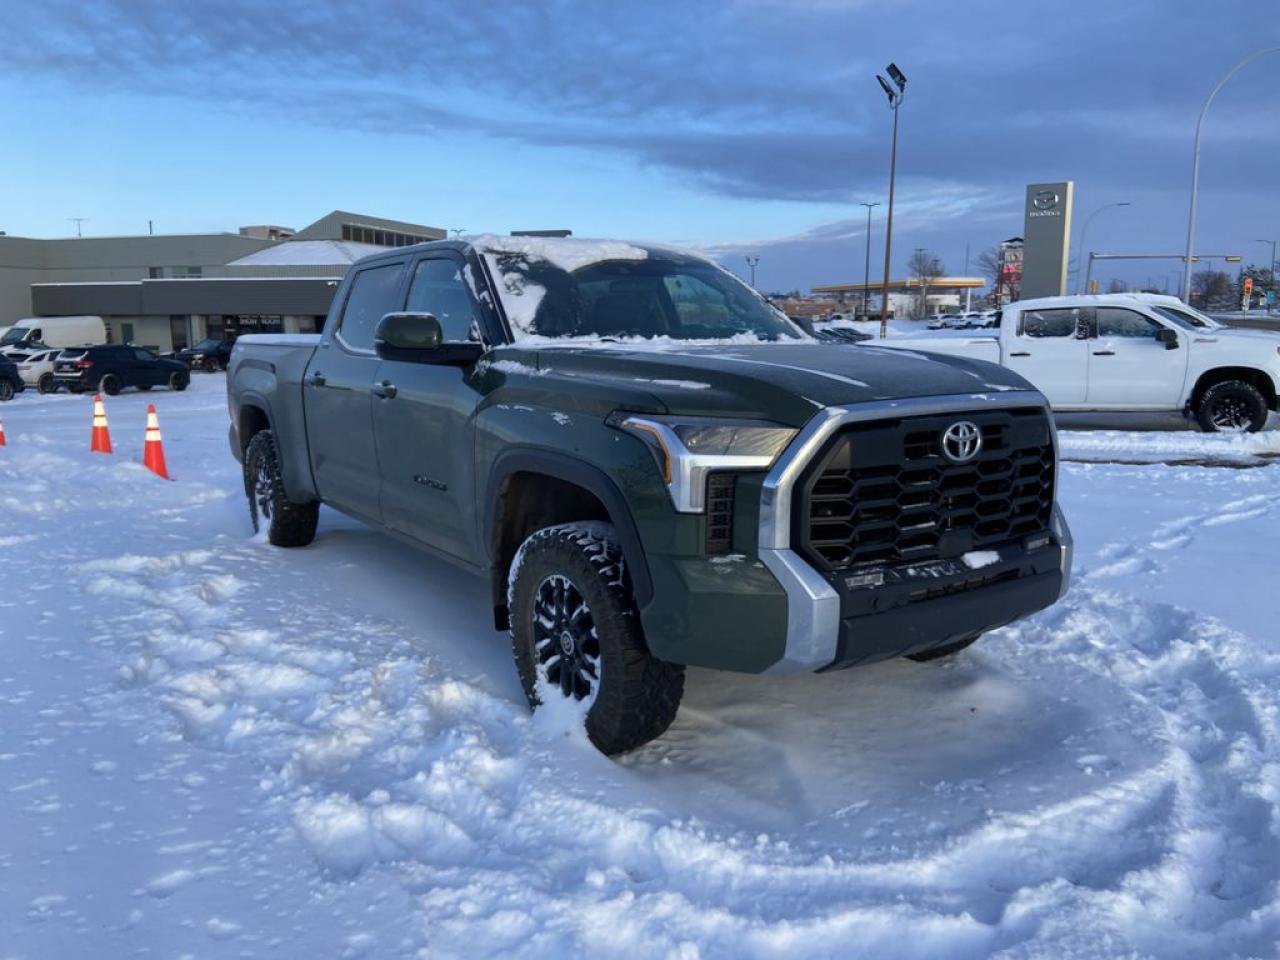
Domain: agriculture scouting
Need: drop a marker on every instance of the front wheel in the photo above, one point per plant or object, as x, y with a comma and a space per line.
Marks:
288, 524
1232, 406
178, 380
46, 383
575, 634
6, 391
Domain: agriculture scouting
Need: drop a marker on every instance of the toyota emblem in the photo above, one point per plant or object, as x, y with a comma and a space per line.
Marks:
961, 441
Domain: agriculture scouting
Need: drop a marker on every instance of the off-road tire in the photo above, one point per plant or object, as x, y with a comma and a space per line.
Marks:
937, 653
6, 391
46, 384
110, 384
178, 380
1228, 398
638, 694
289, 524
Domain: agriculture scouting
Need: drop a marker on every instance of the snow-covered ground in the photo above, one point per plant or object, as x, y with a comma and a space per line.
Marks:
213, 748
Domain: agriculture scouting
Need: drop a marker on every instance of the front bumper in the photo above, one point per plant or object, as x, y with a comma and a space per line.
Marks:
831, 623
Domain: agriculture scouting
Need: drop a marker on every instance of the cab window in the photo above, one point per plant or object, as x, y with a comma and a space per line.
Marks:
1062, 322
439, 289
1118, 322
372, 296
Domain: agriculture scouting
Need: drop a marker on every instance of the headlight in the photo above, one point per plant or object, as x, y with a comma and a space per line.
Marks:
688, 448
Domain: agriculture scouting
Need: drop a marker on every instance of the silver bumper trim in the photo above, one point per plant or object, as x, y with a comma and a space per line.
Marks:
813, 606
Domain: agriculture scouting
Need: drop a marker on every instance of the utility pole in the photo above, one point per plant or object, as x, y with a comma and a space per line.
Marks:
751, 262
895, 101
866, 267
1271, 268
77, 221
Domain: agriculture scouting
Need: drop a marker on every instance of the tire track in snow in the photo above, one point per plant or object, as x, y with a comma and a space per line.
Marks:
491, 821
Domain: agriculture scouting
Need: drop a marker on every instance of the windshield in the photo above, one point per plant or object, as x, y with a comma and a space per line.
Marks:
647, 297
1184, 319
15, 335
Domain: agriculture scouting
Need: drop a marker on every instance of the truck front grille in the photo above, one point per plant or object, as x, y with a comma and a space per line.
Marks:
882, 492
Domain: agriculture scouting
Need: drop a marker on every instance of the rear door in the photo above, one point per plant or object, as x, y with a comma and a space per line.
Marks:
1050, 348
422, 420
337, 397
1128, 368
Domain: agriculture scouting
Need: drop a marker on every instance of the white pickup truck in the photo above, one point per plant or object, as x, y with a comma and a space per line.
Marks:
1123, 352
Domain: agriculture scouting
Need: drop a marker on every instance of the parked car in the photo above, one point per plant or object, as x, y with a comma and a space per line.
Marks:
37, 370
112, 368
653, 468
1121, 352
211, 355
40, 333
10, 379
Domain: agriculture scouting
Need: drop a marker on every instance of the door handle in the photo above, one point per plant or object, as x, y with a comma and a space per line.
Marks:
1020, 354
386, 390
1104, 353
317, 379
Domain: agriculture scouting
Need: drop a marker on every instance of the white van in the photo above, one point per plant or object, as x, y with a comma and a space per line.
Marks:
37, 333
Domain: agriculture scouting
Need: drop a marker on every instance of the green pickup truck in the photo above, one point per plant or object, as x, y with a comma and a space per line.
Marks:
654, 468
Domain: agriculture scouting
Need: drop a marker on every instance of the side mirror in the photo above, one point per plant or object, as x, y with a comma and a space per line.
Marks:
1168, 337
417, 338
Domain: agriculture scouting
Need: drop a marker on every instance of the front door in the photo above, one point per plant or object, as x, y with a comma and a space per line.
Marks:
423, 422
1049, 349
337, 397
1129, 368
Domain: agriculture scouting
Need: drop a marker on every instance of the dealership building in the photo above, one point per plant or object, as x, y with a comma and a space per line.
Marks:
170, 291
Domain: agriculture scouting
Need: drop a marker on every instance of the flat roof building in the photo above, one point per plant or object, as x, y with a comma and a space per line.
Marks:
171, 291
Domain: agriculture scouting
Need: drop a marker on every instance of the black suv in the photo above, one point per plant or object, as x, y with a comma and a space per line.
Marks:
111, 369
10, 379
211, 355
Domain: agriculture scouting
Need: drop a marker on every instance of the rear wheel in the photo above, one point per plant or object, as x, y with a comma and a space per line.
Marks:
110, 384
937, 653
178, 380
576, 635
288, 524
45, 383
1232, 406
6, 391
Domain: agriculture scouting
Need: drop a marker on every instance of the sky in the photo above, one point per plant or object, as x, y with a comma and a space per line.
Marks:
741, 127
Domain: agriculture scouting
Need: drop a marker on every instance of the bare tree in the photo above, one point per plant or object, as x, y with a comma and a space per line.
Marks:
1212, 289
992, 266
925, 267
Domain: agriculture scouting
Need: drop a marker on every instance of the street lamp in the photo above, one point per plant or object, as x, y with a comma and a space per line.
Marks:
1195, 167
866, 267
1080, 254
751, 262
895, 94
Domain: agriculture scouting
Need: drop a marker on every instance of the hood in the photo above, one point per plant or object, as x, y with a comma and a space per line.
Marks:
1267, 338
783, 382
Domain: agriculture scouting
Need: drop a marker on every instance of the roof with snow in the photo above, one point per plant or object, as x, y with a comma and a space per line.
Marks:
308, 253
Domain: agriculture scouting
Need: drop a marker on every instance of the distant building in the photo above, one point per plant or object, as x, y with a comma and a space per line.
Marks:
168, 292
944, 294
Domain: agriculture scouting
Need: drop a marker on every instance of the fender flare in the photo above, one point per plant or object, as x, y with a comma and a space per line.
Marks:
570, 469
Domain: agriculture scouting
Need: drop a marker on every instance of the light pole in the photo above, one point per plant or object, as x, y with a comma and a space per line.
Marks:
77, 221
895, 101
1195, 167
1080, 253
866, 267
751, 262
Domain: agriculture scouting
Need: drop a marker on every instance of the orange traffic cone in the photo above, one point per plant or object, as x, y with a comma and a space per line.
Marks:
100, 442
153, 449
1, 433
